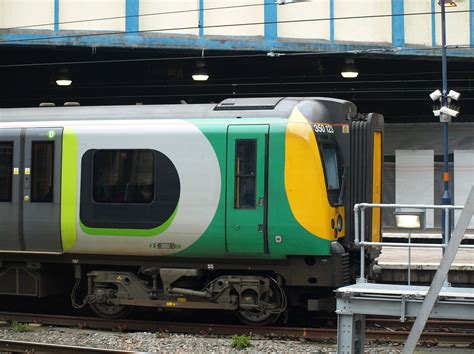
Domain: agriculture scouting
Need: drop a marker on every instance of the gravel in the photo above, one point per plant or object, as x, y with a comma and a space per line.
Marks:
166, 342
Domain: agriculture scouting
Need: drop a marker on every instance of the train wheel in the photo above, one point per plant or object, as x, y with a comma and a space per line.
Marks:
264, 316
111, 312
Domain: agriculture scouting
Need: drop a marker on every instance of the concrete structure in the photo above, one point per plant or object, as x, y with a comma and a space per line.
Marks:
409, 27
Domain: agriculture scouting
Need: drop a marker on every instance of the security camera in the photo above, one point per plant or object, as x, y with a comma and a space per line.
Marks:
436, 112
436, 95
449, 112
454, 95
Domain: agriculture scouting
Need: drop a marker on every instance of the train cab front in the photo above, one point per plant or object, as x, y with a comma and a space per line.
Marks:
315, 168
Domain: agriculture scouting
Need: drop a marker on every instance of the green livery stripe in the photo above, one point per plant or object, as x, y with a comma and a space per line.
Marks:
68, 189
130, 232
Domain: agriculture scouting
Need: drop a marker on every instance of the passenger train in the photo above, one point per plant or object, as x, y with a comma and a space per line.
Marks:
245, 205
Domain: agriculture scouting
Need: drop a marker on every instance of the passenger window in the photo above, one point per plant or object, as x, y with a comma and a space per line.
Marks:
6, 166
245, 174
123, 176
42, 171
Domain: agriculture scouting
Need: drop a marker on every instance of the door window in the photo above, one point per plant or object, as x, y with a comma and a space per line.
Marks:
245, 173
6, 166
42, 171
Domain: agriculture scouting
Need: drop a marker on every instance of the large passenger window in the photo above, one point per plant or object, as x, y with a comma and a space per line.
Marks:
123, 176
6, 166
42, 171
245, 174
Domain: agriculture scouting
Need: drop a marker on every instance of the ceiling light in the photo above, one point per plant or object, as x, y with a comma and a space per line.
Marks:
63, 82
448, 3
63, 78
349, 71
200, 73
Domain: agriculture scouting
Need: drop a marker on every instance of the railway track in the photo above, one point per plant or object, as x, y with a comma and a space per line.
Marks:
378, 329
14, 346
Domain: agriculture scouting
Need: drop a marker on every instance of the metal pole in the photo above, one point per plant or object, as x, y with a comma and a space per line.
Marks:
446, 198
409, 257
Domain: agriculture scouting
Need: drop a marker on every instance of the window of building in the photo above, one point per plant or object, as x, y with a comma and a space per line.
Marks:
42, 171
245, 174
6, 166
123, 176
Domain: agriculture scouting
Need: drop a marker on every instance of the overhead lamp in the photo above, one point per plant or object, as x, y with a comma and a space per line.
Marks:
200, 73
63, 78
349, 71
448, 3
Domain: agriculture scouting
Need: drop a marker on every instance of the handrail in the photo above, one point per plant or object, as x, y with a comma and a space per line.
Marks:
359, 235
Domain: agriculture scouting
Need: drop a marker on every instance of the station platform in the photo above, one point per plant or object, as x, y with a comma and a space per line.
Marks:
393, 265
427, 235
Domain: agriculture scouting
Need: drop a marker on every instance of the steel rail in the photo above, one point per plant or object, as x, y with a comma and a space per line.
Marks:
448, 331
15, 346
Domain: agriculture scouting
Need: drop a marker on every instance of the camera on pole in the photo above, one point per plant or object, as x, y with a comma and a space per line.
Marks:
445, 112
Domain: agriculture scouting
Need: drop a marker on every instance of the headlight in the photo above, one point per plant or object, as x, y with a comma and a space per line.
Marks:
339, 223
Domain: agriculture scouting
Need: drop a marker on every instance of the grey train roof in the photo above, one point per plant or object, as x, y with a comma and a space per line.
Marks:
230, 108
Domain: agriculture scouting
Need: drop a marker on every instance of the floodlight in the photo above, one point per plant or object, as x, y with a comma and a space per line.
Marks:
409, 219
436, 95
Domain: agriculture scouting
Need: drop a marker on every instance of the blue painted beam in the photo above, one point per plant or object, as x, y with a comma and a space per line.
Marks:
331, 20
271, 18
201, 18
56, 15
471, 22
192, 42
132, 12
433, 23
398, 23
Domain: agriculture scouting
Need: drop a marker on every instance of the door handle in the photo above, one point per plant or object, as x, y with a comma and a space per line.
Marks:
260, 228
260, 201
26, 198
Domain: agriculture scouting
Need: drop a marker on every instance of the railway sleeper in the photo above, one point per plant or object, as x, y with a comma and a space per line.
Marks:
257, 299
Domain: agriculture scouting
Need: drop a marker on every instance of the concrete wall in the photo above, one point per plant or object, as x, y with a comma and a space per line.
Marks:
14, 13
187, 18
331, 22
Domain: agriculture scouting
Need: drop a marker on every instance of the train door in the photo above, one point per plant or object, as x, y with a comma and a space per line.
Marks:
41, 197
247, 156
10, 142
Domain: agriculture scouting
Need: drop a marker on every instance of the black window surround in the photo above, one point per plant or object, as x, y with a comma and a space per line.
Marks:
126, 215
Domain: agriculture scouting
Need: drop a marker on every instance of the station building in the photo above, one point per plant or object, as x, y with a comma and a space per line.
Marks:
146, 52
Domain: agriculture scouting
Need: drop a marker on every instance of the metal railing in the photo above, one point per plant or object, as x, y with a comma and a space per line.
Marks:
360, 229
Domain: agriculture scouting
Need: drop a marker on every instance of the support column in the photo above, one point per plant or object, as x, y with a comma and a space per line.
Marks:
56, 15
350, 333
398, 23
270, 18
471, 22
331, 20
201, 18
132, 19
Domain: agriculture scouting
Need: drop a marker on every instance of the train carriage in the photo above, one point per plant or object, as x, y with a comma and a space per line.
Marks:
245, 205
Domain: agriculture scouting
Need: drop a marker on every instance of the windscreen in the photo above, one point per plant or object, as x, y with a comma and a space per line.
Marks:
328, 150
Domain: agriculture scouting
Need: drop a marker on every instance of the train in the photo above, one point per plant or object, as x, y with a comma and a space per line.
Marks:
243, 206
